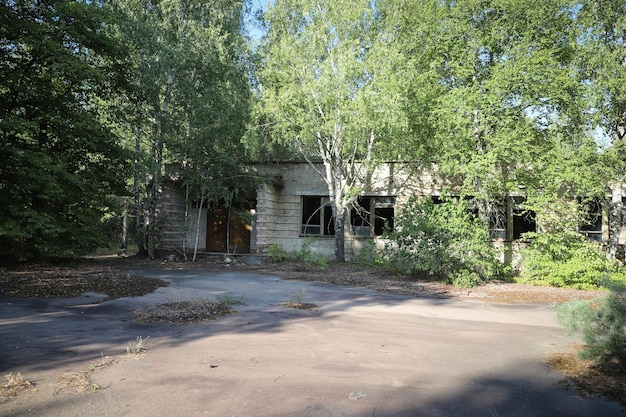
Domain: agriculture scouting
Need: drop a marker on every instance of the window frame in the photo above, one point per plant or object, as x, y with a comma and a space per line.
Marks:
366, 215
311, 207
593, 226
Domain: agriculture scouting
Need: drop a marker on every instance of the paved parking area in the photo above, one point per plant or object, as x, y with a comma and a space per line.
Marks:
360, 353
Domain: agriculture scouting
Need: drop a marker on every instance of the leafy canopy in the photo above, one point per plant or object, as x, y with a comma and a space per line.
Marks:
60, 160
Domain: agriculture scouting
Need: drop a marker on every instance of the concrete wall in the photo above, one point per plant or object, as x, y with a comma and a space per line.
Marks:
279, 205
277, 216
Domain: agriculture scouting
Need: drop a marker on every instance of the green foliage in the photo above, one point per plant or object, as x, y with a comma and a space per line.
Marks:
307, 257
276, 252
441, 241
61, 161
564, 258
505, 107
602, 324
332, 92
191, 100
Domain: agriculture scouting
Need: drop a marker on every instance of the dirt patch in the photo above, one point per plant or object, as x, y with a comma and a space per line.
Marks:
39, 281
183, 312
378, 279
587, 379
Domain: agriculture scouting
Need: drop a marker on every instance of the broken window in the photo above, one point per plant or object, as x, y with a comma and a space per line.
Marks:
372, 216
591, 219
317, 216
499, 220
524, 220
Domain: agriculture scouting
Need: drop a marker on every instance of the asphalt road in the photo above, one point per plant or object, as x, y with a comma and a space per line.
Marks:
360, 353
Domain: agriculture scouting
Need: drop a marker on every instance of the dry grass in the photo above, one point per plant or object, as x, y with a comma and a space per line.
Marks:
76, 382
14, 385
137, 347
587, 379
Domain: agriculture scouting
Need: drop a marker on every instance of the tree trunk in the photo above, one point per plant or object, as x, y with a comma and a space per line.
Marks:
159, 132
195, 246
340, 241
185, 223
615, 220
124, 232
139, 229
154, 197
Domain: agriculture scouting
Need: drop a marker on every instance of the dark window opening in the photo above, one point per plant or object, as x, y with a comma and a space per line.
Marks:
523, 222
317, 217
360, 214
591, 219
383, 220
372, 215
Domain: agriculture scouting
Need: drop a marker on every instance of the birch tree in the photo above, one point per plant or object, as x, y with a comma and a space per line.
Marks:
329, 91
602, 32
191, 95
509, 102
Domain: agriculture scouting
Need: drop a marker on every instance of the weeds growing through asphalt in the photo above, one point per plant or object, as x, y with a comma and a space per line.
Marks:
77, 382
105, 361
228, 300
14, 385
297, 301
138, 346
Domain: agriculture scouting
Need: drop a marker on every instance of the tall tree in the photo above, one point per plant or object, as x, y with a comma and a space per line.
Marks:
602, 32
61, 161
329, 89
508, 94
191, 95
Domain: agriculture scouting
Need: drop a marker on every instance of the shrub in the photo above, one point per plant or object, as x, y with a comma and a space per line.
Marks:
565, 259
441, 241
307, 257
276, 252
602, 324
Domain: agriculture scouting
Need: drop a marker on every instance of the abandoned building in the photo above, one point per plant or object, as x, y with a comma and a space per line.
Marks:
292, 208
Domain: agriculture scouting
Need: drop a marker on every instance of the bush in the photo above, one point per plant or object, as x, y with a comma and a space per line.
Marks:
307, 257
441, 241
276, 252
565, 259
602, 324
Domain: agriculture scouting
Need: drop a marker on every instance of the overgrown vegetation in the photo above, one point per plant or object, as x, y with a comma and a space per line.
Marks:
306, 256
602, 325
566, 259
298, 302
138, 346
443, 242
276, 252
